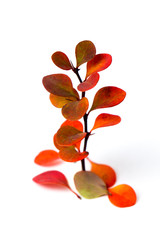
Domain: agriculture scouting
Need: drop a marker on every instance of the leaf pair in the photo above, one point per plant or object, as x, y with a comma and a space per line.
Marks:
68, 139
95, 65
63, 95
84, 52
90, 185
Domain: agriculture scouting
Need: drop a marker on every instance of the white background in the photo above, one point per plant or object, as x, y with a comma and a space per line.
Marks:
30, 32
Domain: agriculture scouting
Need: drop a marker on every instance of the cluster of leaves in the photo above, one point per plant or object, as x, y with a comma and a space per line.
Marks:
99, 180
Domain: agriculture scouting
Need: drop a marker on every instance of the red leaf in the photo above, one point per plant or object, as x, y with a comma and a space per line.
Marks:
60, 85
68, 135
75, 110
54, 178
69, 154
89, 83
61, 60
108, 97
98, 63
47, 157
85, 51
122, 196
105, 172
105, 120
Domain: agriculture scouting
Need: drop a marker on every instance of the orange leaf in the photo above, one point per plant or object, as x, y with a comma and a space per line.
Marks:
59, 101
47, 157
54, 178
105, 172
108, 97
89, 83
122, 196
68, 135
78, 125
61, 60
69, 154
75, 110
60, 85
85, 51
98, 63
105, 120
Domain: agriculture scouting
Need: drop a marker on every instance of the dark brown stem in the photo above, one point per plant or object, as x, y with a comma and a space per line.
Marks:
85, 118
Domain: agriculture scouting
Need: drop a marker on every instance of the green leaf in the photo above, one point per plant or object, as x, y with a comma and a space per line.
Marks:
60, 85
85, 51
75, 110
89, 185
61, 60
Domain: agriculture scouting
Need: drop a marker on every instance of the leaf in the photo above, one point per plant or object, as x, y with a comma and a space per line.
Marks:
60, 85
108, 97
78, 125
89, 185
54, 178
98, 63
56, 143
61, 60
68, 135
59, 101
122, 196
47, 157
75, 110
70, 154
105, 120
89, 83
85, 51
105, 172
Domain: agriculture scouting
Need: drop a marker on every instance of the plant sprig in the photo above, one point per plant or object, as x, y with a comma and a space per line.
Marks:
100, 179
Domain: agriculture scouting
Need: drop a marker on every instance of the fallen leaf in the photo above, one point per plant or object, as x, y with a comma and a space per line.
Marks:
122, 196
54, 178
89, 185
105, 172
47, 157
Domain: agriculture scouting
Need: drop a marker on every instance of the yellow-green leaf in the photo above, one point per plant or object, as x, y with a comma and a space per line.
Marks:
89, 185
